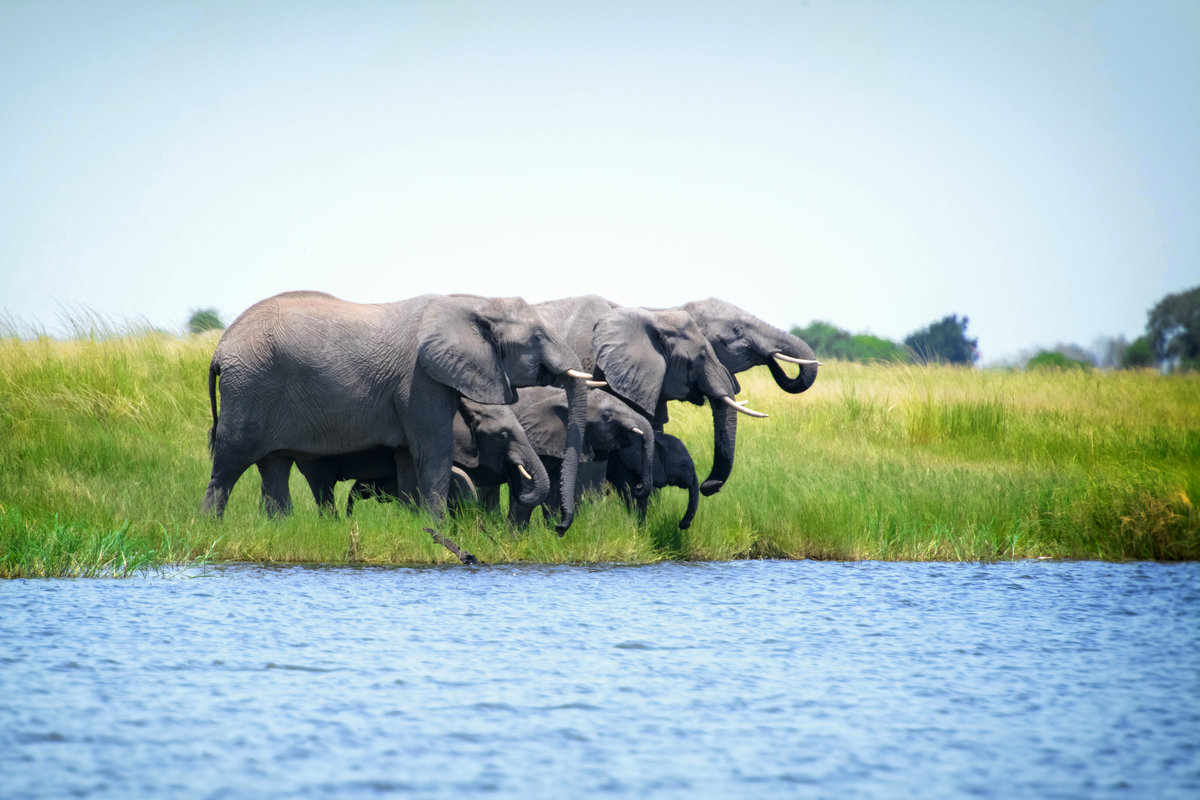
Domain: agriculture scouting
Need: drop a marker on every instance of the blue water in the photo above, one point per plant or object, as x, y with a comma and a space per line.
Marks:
743, 679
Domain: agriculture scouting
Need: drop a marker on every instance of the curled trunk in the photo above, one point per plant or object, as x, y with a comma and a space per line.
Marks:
534, 482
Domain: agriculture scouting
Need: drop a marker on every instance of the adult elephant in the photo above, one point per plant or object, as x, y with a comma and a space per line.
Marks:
490, 450
741, 341
612, 425
305, 374
673, 466
650, 356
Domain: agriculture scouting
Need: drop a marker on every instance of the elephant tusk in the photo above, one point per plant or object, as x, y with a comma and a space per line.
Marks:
638, 431
801, 361
736, 406
575, 373
597, 384
524, 472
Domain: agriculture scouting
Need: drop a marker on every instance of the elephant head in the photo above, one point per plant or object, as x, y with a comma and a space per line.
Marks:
492, 446
741, 341
651, 356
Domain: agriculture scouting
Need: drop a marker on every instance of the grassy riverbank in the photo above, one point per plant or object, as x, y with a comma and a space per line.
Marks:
103, 463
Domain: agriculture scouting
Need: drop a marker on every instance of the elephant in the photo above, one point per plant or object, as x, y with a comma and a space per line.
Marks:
650, 356
306, 374
673, 466
741, 341
611, 425
490, 449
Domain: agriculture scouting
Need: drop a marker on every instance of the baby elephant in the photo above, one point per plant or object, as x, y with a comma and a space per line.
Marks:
673, 466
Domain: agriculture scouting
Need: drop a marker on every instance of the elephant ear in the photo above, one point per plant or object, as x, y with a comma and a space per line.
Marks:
545, 424
457, 348
628, 350
466, 453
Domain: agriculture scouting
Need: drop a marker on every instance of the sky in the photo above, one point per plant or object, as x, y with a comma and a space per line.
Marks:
1032, 166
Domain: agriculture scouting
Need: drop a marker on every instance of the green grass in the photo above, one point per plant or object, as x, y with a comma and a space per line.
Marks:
103, 462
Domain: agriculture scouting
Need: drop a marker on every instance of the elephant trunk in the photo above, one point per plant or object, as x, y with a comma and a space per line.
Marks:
792, 347
693, 490
577, 412
724, 437
647, 466
530, 474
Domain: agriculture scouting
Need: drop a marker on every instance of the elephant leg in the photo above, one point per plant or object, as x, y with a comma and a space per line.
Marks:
321, 481
226, 471
276, 497
433, 477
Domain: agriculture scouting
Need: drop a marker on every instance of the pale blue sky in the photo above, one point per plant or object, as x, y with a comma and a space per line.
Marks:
1034, 166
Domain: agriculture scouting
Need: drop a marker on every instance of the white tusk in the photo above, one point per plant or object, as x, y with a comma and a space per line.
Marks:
739, 407
801, 361
524, 472
596, 384
575, 373
638, 431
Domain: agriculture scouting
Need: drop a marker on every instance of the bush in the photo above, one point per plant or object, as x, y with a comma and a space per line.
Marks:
1051, 360
205, 319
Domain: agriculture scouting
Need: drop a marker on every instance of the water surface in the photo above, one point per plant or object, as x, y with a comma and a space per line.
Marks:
763, 679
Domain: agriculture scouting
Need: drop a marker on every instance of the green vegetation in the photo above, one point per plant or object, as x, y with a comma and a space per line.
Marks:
944, 341
104, 462
204, 319
831, 341
1049, 359
1173, 329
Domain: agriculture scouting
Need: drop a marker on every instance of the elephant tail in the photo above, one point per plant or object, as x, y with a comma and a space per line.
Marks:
214, 369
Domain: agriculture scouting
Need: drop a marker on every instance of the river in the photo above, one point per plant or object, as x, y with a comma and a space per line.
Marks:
740, 679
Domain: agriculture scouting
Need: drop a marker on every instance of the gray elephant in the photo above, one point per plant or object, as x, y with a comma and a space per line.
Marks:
741, 341
305, 374
650, 356
673, 466
611, 425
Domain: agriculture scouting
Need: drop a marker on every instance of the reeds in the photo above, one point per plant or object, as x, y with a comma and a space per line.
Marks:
103, 462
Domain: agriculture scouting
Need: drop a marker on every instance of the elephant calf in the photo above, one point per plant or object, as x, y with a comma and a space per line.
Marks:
673, 466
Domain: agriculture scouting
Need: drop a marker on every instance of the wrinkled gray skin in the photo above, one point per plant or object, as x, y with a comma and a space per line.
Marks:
490, 448
673, 466
741, 341
305, 374
649, 356
612, 425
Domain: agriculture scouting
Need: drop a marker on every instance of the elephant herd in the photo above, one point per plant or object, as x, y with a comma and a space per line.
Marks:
441, 397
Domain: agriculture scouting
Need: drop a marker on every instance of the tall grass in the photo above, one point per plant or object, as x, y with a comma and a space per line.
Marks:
103, 462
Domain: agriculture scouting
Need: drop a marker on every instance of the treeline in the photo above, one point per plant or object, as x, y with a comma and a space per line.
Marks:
943, 341
1171, 342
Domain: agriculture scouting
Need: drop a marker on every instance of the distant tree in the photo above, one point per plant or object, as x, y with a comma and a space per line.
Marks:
829, 341
1138, 354
1173, 330
945, 340
1050, 359
205, 319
